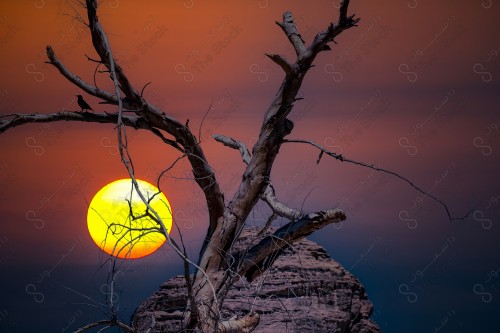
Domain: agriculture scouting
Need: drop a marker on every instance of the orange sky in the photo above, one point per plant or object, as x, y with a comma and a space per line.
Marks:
362, 98
213, 53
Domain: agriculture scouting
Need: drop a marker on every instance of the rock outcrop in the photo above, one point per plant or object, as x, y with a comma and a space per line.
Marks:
304, 291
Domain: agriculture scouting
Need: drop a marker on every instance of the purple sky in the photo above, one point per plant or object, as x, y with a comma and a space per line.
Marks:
413, 89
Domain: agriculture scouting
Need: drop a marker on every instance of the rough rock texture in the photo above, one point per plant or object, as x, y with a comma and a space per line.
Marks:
304, 291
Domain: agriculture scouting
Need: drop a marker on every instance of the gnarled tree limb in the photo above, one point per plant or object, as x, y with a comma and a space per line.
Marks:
282, 62
76, 80
261, 256
232, 143
99, 40
14, 120
291, 31
134, 121
278, 207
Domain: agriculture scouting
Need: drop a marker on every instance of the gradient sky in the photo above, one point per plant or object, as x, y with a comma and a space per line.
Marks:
413, 89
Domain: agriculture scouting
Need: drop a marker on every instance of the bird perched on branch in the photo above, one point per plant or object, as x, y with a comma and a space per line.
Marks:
83, 104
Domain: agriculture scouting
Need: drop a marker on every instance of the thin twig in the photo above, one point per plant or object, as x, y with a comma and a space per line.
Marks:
341, 158
147, 84
202, 120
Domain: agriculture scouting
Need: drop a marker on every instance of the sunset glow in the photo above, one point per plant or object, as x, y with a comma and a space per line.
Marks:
118, 220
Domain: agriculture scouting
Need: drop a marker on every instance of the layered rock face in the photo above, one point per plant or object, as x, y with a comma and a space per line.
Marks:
304, 291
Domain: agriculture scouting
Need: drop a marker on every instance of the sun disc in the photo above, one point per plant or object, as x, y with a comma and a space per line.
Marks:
118, 220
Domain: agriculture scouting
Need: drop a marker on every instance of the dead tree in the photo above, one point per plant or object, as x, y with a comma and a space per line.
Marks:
256, 185
218, 268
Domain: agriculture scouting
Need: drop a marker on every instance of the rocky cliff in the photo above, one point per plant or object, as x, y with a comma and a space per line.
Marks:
304, 291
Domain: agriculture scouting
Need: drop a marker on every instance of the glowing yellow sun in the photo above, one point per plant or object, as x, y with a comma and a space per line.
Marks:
118, 222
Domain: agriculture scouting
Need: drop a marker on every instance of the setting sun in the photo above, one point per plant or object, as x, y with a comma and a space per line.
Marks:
118, 220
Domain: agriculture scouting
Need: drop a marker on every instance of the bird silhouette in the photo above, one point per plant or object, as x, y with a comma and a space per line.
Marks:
83, 104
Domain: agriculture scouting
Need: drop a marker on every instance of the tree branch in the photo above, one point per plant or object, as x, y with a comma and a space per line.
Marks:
262, 255
279, 208
76, 80
99, 40
282, 62
15, 120
134, 121
232, 143
341, 158
268, 194
328, 35
291, 31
